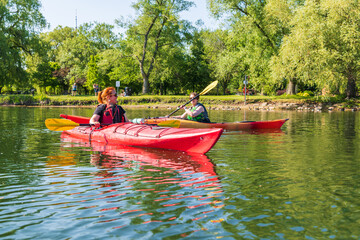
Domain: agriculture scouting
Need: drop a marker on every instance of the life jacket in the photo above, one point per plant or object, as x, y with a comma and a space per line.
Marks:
112, 114
202, 117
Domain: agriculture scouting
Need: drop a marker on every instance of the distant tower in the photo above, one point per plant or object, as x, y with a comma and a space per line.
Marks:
75, 19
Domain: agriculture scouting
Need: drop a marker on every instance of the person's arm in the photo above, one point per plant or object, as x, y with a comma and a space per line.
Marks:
183, 115
197, 111
94, 119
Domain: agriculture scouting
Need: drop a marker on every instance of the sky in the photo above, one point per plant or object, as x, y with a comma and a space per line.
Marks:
70, 12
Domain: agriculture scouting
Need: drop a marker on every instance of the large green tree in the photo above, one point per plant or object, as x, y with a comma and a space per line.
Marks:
215, 50
157, 25
170, 72
72, 50
44, 76
251, 41
323, 48
20, 24
101, 35
197, 64
180, 70
115, 65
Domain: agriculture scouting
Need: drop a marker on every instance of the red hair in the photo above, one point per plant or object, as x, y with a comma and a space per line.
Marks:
104, 93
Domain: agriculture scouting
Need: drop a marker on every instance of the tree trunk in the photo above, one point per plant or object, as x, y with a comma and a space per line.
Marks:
145, 88
351, 87
291, 87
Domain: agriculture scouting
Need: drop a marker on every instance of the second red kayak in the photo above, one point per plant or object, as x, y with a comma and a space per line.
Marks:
228, 126
181, 123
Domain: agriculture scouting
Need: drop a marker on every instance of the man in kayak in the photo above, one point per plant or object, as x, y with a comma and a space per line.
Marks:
108, 112
197, 112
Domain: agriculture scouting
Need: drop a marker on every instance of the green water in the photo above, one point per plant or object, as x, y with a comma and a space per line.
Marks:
302, 182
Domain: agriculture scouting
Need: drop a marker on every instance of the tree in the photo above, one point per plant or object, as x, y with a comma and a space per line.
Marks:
56, 40
171, 72
114, 65
158, 25
20, 23
323, 47
75, 54
225, 61
214, 45
251, 41
197, 69
44, 75
73, 49
100, 35
93, 72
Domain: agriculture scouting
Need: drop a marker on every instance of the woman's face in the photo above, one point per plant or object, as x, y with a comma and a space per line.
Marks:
112, 98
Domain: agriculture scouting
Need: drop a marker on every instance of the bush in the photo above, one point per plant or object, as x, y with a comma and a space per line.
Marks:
306, 93
17, 100
41, 97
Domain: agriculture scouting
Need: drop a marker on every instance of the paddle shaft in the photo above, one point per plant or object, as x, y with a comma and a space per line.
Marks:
178, 108
207, 89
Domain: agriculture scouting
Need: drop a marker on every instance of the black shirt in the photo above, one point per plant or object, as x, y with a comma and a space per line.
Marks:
117, 118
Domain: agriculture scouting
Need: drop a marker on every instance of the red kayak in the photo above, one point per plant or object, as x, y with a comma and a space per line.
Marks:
187, 140
181, 123
228, 126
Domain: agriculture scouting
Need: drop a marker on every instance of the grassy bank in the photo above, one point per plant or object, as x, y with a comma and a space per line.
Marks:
228, 101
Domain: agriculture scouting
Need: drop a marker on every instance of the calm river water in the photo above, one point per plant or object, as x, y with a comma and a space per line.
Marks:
302, 182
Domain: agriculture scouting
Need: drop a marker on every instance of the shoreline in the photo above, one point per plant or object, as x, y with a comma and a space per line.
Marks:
231, 103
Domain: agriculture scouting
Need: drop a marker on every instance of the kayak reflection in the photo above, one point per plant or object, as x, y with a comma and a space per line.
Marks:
111, 157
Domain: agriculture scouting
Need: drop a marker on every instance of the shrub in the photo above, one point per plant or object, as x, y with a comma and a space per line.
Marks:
305, 94
17, 100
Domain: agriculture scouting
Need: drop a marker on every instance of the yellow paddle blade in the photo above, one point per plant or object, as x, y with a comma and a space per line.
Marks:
169, 123
57, 124
208, 88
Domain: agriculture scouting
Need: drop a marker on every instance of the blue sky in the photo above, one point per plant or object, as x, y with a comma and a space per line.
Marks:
106, 11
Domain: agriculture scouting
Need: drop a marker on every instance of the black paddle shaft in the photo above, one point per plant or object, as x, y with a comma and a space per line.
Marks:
178, 108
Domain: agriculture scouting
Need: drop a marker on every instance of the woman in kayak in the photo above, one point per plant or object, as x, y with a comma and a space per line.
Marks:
197, 112
108, 112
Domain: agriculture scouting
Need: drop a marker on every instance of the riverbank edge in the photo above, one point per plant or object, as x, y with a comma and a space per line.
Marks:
212, 102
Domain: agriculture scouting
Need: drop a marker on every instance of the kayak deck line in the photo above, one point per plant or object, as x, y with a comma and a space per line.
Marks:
136, 130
